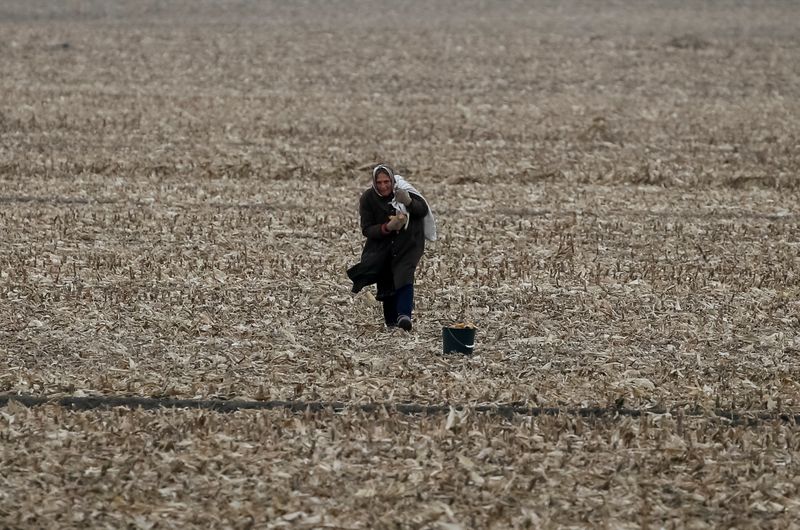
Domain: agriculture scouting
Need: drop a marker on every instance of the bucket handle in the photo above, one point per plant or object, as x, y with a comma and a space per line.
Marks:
471, 346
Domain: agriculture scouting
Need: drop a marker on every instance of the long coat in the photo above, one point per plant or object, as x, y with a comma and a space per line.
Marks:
388, 260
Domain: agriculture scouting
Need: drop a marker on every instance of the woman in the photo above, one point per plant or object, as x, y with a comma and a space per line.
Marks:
396, 220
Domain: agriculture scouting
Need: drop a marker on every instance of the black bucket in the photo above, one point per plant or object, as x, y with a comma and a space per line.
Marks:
458, 340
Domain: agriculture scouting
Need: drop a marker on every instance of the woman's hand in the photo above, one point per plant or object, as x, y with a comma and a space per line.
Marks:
396, 222
402, 196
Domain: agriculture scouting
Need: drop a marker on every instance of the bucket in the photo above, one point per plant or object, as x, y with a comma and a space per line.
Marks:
458, 340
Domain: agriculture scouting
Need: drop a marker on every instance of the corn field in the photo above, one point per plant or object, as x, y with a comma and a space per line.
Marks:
616, 188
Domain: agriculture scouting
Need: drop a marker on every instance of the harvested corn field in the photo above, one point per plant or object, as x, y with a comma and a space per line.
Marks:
349, 470
616, 191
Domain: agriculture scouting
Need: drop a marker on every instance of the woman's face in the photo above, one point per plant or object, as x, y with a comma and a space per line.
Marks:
383, 184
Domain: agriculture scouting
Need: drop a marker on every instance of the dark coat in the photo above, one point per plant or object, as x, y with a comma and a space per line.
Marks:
388, 260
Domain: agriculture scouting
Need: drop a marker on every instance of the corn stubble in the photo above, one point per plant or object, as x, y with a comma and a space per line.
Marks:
617, 208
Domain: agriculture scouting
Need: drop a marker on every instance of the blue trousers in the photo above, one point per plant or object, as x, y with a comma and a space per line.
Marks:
400, 303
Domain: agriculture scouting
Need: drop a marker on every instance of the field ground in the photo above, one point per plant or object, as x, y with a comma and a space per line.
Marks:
616, 189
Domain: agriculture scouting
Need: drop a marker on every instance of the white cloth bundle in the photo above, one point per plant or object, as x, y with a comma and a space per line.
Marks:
429, 222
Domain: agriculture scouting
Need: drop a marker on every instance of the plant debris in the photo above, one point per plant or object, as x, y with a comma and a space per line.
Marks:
617, 206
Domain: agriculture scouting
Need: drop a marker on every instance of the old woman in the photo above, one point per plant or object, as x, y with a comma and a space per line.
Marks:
396, 220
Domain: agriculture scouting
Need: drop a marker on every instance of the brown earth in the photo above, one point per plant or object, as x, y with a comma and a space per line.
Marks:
616, 189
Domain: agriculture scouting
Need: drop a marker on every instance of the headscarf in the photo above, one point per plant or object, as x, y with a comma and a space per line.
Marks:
382, 168
398, 182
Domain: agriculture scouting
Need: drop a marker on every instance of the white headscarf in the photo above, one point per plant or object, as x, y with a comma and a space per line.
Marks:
398, 182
